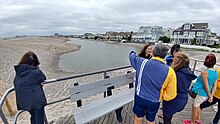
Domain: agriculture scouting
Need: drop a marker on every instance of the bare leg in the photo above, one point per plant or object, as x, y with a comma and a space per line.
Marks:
198, 114
137, 120
194, 115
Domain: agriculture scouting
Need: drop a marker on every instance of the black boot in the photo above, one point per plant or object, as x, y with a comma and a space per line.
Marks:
118, 114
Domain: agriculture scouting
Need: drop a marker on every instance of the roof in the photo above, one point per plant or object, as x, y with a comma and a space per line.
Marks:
200, 25
178, 29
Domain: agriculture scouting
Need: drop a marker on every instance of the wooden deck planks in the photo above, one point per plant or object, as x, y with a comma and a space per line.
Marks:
128, 116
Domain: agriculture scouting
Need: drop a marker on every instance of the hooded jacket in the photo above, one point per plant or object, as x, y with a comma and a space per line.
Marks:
184, 79
27, 83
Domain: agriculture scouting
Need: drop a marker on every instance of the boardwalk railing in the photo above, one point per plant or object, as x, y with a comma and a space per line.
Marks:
10, 90
193, 64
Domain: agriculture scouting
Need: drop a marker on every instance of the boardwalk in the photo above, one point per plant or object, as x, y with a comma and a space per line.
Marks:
128, 116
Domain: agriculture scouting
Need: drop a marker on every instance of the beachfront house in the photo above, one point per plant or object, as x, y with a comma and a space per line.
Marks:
167, 32
117, 36
147, 34
194, 33
212, 39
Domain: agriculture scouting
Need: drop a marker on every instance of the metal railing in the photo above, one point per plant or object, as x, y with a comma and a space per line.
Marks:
12, 89
5, 121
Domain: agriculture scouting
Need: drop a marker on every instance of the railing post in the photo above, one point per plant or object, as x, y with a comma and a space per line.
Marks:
105, 75
79, 102
131, 85
119, 110
108, 91
3, 117
5, 121
45, 118
194, 67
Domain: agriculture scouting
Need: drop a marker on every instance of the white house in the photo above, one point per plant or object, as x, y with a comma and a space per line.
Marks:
147, 34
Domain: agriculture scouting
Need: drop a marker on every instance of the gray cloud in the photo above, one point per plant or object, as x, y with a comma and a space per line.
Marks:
39, 17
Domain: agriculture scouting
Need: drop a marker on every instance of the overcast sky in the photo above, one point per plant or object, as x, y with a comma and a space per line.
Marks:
45, 17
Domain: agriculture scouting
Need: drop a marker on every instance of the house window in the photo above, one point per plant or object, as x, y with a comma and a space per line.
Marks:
199, 34
185, 33
186, 27
192, 34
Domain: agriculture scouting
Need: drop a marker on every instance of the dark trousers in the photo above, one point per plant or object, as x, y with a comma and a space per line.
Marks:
167, 119
37, 116
207, 104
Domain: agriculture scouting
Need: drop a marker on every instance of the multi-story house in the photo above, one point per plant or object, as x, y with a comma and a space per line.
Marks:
212, 39
168, 32
88, 35
147, 34
117, 36
194, 33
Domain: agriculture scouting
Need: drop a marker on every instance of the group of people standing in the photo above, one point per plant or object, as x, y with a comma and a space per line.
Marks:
167, 79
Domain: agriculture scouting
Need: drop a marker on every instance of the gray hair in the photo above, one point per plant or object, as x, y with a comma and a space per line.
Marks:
160, 50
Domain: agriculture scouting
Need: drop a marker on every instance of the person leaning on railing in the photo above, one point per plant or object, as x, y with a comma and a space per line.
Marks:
205, 87
216, 99
28, 83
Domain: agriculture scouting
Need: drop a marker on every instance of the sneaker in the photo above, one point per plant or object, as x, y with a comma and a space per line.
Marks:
215, 107
187, 122
198, 122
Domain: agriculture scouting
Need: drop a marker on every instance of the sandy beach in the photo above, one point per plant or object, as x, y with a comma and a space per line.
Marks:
49, 50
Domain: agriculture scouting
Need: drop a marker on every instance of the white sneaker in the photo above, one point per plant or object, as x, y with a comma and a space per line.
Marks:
215, 107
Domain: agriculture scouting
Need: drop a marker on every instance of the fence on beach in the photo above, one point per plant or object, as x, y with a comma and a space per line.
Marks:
194, 64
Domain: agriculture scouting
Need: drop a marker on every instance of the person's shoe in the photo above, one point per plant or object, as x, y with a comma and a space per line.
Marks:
187, 122
215, 107
118, 114
198, 122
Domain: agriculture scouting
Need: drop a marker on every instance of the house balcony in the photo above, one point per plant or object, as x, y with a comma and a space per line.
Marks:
182, 37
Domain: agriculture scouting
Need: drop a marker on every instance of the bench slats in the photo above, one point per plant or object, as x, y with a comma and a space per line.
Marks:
90, 89
94, 110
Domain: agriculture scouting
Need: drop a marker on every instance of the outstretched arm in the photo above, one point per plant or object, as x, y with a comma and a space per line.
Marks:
133, 59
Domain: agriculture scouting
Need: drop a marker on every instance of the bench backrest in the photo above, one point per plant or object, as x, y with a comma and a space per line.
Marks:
90, 89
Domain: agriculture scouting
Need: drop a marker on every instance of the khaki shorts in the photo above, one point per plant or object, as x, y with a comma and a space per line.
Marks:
199, 100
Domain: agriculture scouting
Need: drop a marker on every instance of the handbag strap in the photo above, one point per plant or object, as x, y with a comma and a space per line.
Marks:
140, 75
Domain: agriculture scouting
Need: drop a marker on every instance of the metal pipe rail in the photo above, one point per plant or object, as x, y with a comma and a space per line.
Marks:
5, 121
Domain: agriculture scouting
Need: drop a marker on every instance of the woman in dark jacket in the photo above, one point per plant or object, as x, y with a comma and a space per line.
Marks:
28, 83
184, 76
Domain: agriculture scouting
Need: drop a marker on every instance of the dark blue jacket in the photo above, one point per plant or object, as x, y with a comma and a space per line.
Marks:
27, 83
169, 59
184, 79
